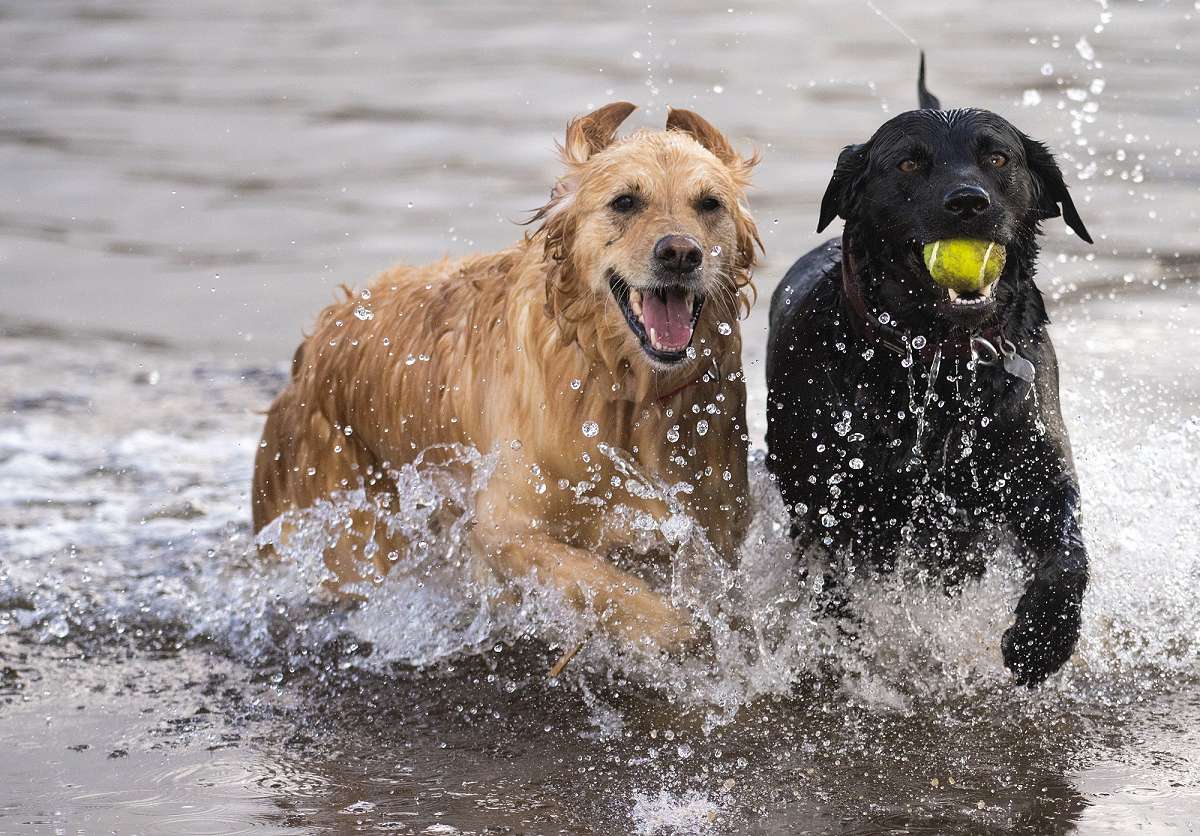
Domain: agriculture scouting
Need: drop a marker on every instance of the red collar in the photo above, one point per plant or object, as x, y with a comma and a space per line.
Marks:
872, 328
676, 391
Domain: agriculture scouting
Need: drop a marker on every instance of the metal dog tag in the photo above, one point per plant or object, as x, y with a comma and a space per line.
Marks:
1016, 365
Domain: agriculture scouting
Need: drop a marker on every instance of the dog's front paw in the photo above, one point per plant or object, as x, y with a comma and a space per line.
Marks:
1043, 636
648, 620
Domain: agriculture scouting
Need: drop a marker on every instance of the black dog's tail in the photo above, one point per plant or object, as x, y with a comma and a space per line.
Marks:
925, 99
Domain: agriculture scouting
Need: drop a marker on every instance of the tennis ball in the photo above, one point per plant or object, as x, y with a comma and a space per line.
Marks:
964, 265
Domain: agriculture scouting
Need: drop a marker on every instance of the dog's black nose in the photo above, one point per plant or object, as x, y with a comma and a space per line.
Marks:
967, 201
678, 253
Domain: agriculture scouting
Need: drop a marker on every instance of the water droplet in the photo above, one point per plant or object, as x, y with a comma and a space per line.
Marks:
715, 251
856, 464
724, 329
828, 521
59, 627
591, 429
885, 317
691, 353
701, 427
576, 384
673, 434
684, 750
364, 313
919, 342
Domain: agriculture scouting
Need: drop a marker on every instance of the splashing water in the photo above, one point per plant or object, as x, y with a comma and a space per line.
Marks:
138, 531
665, 813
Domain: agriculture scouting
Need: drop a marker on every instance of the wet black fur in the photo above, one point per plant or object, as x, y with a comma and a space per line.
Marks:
947, 506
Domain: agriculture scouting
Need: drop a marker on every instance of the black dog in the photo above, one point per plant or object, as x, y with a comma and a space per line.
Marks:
901, 414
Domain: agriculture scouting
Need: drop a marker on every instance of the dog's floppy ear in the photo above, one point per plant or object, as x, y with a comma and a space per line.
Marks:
851, 163
585, 136
588, 134
701, 130
1049, 190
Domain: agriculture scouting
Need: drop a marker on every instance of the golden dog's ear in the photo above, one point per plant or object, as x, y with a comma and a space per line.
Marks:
585, 136
701, 130
588, 134
749, 245
567, 302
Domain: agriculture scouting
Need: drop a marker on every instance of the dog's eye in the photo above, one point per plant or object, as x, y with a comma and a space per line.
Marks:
908, 166
624, 204
997, 160
709, 204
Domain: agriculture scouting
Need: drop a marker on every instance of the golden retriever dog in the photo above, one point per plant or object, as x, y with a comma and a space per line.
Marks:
615, 323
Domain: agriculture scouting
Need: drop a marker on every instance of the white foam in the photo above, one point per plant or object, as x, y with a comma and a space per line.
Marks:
669, 814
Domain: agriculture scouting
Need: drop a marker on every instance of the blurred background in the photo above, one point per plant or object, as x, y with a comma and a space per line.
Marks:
208, 173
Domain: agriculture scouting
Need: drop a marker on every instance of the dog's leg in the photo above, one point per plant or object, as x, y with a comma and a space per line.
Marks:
515, 548
1048, 616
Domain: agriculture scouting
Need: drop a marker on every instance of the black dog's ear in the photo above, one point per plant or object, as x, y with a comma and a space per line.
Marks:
1049, 189
925, 99
850, 164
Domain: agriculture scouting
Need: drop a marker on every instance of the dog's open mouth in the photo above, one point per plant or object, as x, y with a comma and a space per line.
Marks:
663, 319
967, 302
975, 299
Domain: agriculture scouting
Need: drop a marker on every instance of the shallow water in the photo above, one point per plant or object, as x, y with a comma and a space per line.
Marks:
191, 183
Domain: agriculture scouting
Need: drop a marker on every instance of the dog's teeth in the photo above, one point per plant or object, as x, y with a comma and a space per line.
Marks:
953, 294
635, 302
653, 338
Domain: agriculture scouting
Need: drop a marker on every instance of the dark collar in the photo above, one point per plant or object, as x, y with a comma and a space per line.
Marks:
869, 326
662, 399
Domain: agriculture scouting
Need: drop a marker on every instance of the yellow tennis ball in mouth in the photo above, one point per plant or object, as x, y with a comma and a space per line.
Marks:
964, 265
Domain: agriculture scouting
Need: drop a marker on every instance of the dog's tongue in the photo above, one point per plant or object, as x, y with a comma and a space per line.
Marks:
670, 318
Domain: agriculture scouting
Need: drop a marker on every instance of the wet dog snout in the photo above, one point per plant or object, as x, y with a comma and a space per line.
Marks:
678, 253
967, 201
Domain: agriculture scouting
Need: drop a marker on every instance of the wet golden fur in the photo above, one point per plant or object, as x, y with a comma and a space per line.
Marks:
500, 338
